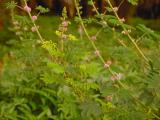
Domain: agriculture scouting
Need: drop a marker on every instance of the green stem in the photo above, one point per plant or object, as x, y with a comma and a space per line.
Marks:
94, 7
89, 38
34, 24
129, 36
101, 58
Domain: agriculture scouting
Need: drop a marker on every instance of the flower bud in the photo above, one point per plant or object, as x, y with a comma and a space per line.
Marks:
97, 53
122, 20
33, 29
115, 9
27, 9
65, 23
94, 38
34, 18
107, 64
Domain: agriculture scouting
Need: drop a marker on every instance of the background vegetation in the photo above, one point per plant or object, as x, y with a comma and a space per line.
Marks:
90, 68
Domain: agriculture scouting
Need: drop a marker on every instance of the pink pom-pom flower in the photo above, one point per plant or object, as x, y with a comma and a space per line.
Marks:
97, 53
27, 9
34, 18
107, 64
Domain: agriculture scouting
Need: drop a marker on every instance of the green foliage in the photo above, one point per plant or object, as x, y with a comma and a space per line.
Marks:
11, 5
133, 2
65, 79
42, 9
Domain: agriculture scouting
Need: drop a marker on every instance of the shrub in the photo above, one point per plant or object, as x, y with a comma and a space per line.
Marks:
72, 79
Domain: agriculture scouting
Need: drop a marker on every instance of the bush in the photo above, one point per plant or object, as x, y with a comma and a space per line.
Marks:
69, 79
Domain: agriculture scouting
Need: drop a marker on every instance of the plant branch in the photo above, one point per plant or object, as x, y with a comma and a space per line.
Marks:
34, 24
129, 36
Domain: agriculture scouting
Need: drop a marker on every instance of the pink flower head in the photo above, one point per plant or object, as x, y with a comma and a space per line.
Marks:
115, 9
107, 64
33, 29
27, 9
93, 38
34, 18
97, 53
65, 23
122, 20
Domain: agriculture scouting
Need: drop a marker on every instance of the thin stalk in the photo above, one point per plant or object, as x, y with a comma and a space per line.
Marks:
120, 4
129, 36
100, 30
34, 24
94, 7
89, 38
101, 58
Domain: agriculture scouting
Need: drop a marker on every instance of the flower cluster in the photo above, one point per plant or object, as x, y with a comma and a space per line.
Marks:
63, 26
34, 17
61, 32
